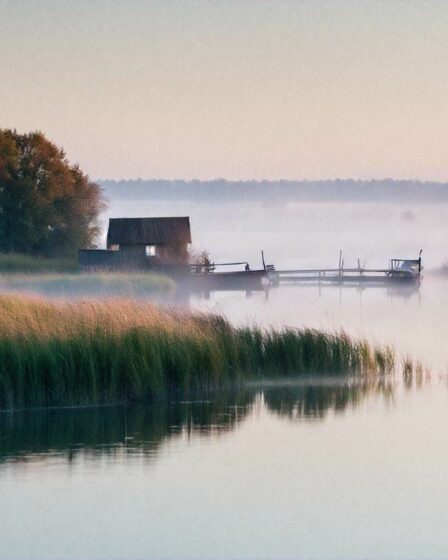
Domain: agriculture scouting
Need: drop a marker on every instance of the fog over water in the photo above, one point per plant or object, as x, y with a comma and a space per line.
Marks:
300, 227
308, 234
301, 468
260, 106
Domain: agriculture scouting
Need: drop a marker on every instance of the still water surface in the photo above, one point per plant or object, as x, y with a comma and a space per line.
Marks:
317, 469
414, 320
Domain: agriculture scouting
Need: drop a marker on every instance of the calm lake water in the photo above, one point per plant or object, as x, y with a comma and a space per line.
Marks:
311, 234
312, 470
414, 320
319, 468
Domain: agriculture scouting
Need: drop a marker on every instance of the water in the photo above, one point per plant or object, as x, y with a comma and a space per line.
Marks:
314, 469
311, 234
413, 320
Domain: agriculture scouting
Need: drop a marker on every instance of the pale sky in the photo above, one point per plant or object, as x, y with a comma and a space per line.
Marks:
235, 89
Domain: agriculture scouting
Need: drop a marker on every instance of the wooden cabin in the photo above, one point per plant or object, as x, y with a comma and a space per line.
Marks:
140, 244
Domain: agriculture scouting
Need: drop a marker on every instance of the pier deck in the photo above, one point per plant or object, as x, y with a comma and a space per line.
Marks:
342, 276
400, 271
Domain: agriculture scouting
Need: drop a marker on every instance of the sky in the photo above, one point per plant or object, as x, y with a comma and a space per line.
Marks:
234, 89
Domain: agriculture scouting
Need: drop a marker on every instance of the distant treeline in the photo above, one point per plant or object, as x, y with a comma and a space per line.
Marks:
339, 190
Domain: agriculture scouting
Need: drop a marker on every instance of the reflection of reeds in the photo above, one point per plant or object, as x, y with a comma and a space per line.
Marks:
112, 431
118, 350
120, 432
315, 400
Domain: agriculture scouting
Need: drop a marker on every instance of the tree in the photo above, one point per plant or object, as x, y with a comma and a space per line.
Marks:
48, 206
201, 261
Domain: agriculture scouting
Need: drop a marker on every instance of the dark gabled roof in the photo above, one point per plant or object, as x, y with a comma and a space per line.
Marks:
148, 231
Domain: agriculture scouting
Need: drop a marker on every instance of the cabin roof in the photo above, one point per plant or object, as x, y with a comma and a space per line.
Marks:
148, 231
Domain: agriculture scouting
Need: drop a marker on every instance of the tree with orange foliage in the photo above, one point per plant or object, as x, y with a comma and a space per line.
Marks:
48, 206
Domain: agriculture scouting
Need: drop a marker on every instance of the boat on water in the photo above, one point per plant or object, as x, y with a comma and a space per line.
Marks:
409, 269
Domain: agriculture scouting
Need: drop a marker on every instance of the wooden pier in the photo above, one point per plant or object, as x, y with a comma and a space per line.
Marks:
345, 276
208, 278
399, 272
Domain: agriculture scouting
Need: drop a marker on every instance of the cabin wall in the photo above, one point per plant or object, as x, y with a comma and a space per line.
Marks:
95, 259
173, 253
133, 257
127, 258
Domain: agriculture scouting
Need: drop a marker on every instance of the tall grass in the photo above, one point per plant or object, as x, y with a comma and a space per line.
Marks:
92, 285
11, 263
119, 350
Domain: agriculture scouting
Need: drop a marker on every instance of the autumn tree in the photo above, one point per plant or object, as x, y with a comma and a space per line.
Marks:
48, 206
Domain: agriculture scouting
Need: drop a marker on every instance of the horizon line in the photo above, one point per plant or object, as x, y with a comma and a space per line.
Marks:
279, 180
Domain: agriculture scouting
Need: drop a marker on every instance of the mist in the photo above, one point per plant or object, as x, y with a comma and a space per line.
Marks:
305, 225
299, 224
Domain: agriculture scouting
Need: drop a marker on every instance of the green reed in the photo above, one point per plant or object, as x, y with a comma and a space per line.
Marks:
12, 263
126, 284
98, 352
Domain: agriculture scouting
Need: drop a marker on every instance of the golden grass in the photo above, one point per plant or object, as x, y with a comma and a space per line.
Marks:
90, 352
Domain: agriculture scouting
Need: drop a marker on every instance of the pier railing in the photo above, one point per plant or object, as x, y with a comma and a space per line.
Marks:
342, 275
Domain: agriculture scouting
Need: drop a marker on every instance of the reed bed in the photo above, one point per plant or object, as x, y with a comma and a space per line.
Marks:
97, 352
106, 284
11, 263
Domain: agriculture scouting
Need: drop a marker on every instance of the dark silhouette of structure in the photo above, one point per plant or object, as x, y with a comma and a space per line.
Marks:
141, 244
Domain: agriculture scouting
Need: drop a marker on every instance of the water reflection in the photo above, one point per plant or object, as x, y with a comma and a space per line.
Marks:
315, 401
115, 430
120, 432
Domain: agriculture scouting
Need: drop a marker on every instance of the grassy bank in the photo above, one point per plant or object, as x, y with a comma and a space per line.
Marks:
119, 350
88, 285
11, 263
